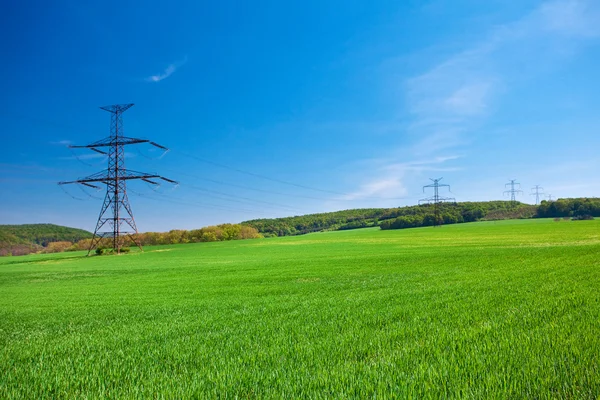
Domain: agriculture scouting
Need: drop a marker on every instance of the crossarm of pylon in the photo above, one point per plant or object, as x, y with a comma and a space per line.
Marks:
124, 142
101, 142
106, 179
89, 185
169, 180
159, 146
129, 173
120, 108
98, 151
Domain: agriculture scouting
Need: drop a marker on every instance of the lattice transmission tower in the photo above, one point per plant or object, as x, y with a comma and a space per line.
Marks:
514, 190
539, 191
116, 211
436, 199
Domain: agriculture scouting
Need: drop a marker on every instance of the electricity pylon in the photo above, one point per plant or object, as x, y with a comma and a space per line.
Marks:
116, 211
512, 191
537, 193
436, 199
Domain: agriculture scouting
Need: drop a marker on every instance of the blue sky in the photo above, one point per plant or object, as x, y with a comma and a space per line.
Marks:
277, 108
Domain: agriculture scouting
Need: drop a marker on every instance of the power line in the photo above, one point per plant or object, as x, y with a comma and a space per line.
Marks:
221, 165
537, 193
81, 187
70, 195
436, 199
246, 187
280, 181
219, 182
116, 211
241, 171
230, 197
173, 200
240, 199
514, 190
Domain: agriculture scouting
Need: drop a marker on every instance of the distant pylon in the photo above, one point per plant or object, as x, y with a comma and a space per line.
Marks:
512, 191
436, 199
116, 211
549, 197
537, 193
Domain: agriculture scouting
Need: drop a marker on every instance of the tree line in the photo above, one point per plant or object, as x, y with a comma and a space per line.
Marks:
42, 234
392, 218
33, 238
456, 213
16, 246
578, 208
298, 225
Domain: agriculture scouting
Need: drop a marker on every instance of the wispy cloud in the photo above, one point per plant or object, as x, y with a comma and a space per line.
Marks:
469, 99
92, 156
573, 18
170, 70
33, 168
455, 96
390, 179
451, 102
424, 165
62, 142
386, 187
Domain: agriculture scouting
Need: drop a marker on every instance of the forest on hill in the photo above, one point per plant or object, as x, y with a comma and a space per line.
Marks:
456, 213
49, 238
578, 208
369, 217
423, 215
30, 238
42, 234
216, 233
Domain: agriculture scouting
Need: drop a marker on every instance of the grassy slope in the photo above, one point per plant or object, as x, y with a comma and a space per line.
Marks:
487, 310
40, 233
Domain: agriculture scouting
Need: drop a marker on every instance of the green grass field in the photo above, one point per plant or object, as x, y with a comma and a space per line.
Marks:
484, 310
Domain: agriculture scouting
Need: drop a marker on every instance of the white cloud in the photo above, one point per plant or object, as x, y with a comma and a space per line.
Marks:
456, 96
390, 180
62, 142
379, 187
167, 72
469, 99
92, 156
439, 137
572, 18
450, 102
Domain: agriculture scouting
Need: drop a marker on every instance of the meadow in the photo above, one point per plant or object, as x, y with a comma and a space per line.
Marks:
506, 309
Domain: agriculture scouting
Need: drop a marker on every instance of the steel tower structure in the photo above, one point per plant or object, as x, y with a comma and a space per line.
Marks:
539, 191
514, 190
116, 211
436, 199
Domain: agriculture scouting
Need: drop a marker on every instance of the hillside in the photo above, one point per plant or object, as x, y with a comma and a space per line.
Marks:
362, 218
31, 238
23, 239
